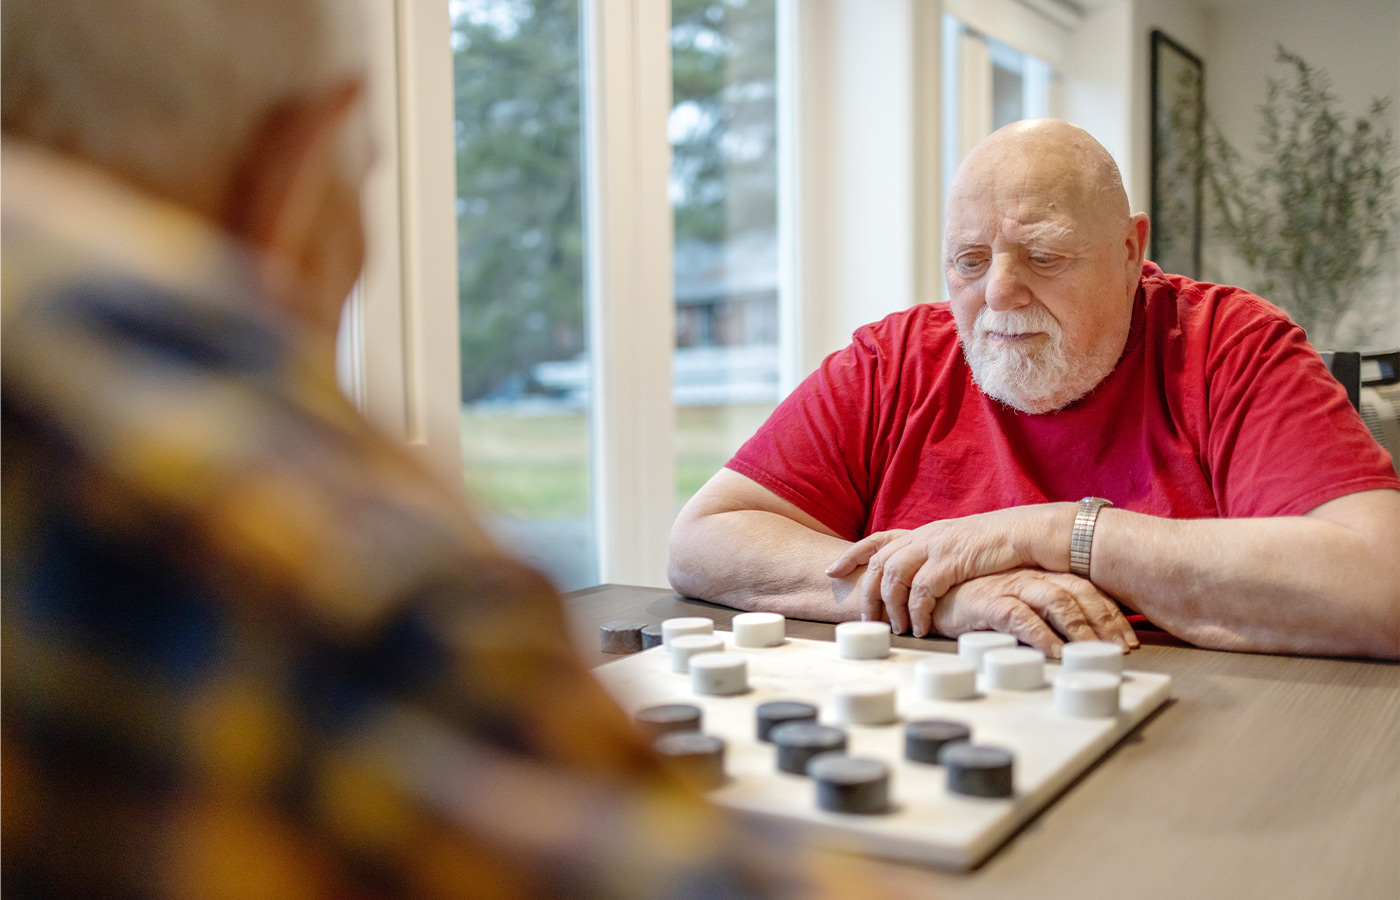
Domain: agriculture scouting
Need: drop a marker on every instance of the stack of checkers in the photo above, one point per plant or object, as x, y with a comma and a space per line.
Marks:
812, 743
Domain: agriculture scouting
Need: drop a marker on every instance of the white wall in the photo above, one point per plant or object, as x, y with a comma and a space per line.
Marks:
1098, 82
1106, 74
1186, 23
1357, 42
868, 154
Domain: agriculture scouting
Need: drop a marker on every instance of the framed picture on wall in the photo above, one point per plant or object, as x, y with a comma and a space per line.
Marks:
1178, 135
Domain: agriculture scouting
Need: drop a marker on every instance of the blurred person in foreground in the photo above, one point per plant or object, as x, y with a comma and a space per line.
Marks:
250, 647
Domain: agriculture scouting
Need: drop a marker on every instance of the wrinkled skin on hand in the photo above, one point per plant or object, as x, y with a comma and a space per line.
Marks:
1043, 609
973, 574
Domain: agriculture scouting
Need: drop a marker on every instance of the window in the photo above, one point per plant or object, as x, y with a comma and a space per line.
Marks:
529, 265
723, 132
525, 385
1020, 84
397, 350
987, 83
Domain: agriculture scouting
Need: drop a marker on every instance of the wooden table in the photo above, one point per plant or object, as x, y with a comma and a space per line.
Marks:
1264, 776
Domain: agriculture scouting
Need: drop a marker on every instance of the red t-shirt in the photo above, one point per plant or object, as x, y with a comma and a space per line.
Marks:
1219, 407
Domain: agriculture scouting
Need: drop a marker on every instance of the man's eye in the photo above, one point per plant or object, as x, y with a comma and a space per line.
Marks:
968, 267
1043, 260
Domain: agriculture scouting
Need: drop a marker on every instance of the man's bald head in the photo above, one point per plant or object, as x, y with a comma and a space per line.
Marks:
1043, 260
1054, 159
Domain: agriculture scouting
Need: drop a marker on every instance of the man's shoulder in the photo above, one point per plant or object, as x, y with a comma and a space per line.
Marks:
94, 263
1204, 311
67, 222
925, 326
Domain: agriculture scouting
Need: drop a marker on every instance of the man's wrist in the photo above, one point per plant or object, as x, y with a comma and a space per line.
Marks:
1047, 541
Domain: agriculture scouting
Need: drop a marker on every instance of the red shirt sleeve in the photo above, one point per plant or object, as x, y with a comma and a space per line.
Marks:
813, 451
1283, 436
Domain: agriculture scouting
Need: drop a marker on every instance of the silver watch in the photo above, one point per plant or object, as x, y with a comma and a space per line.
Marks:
1081, 540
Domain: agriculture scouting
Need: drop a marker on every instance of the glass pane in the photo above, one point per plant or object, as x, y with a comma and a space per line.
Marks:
1008, 83
525, 397
723, 130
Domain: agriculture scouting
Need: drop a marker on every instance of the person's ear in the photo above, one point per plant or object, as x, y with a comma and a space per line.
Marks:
1139, 229
285, 169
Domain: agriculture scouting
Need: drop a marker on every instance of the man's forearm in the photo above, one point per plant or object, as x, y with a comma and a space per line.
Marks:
1324, 583
1292, 585
752, 559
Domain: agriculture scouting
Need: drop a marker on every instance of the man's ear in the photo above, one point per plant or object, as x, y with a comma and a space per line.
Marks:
1139, 229
284, 170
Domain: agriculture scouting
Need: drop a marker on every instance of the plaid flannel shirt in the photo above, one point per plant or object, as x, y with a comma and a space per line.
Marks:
250, 648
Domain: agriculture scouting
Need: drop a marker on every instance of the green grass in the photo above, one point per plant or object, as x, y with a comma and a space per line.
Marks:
536, 467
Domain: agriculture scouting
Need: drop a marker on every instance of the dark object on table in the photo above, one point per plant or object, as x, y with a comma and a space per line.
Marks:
848, 784
622, 635
977, 771
778, 712
924, 739
667, 718
699, 758
798, 742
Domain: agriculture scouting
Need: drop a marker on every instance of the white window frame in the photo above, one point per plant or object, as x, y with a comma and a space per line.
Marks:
1039, 28
398, 349
858, 223
631, 307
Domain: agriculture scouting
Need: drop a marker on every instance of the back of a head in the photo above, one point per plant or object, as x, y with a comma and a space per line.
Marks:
166, 93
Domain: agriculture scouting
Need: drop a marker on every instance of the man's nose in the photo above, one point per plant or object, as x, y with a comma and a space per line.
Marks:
1006, 288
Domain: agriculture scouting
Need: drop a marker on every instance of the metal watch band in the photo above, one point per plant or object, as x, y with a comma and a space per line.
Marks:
1081, 539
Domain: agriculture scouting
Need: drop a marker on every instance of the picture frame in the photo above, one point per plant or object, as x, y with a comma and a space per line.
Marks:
1178, 142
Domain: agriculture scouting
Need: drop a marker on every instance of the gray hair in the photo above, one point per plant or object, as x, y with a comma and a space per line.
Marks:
167, 92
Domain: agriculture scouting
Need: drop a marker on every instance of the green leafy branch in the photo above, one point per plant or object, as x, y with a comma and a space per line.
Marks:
1316, 217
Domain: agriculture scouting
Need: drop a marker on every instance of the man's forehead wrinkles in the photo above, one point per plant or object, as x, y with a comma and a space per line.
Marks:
1049, 230
1012, 230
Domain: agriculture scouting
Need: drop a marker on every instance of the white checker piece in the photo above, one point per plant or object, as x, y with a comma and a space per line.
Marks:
927, 824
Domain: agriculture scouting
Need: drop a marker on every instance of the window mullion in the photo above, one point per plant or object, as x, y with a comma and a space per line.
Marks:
627, 78
397, 349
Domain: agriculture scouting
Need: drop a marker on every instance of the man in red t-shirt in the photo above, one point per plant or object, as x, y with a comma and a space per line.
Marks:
931, 474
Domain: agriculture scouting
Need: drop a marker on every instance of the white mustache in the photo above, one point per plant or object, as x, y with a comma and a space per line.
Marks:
1032, 320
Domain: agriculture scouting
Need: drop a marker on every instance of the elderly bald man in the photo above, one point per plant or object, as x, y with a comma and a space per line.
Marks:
1183, 436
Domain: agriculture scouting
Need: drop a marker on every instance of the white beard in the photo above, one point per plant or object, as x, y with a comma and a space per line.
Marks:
1033, 381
